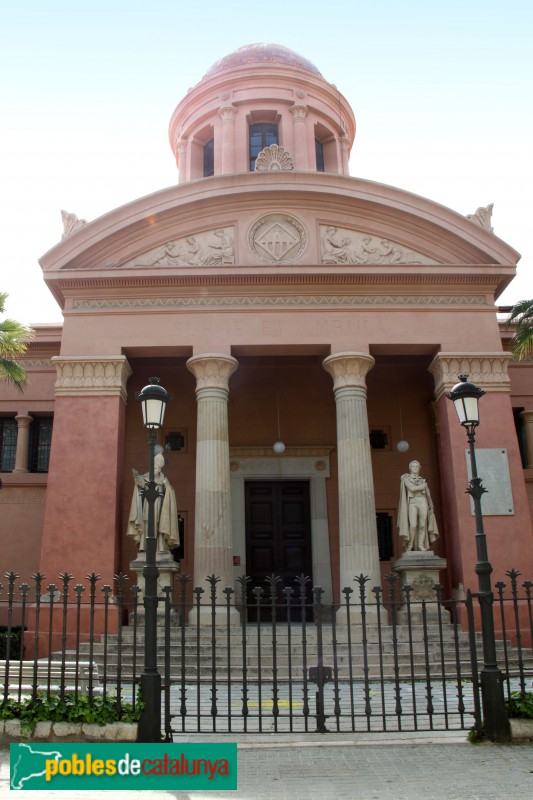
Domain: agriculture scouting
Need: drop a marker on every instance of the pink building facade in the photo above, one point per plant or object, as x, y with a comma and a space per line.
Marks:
276, 298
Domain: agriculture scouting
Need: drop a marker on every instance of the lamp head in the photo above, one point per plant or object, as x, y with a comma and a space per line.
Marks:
154, 399
465, 396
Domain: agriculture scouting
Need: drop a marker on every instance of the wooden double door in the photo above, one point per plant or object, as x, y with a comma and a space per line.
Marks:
278, 541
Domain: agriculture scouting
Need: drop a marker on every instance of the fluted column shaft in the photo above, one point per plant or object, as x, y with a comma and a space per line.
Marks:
299, 113
344, 143
23, 442
213, 538
181, 148
358, 543
527, 420
227, 115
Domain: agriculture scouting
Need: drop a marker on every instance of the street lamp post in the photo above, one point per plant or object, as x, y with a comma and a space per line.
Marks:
465, 396
153, 399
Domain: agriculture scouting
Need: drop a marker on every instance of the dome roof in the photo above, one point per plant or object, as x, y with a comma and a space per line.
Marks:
261, 54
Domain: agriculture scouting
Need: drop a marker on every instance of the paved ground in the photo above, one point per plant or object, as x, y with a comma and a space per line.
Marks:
440, 766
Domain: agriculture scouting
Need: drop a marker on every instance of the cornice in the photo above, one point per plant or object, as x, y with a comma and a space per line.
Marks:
479, 275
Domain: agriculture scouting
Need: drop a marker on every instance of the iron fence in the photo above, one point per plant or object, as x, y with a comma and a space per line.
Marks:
271, 658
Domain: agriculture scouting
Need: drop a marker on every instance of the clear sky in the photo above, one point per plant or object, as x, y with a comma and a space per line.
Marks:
442, 94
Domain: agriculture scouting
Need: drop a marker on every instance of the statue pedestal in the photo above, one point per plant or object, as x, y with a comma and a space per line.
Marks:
420, 570
167, 569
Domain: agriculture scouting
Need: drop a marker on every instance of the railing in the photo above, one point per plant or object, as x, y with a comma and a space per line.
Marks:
268, 658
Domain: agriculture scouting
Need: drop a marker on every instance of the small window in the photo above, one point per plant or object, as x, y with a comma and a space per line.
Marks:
209, 158
174, 441
8, 443
319, 150
262, 134
40, 442
520, 435
379, 439
385, 544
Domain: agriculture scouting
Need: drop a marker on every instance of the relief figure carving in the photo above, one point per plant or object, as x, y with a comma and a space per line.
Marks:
353, 247
213, 248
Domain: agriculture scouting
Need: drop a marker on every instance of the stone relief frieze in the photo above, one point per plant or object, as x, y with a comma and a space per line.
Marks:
277, 238
345, 246
308, 301
206, 249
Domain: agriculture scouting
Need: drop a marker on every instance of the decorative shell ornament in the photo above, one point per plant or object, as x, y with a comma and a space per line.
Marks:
273, 159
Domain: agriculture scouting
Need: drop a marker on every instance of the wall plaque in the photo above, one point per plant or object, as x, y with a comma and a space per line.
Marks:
493, 469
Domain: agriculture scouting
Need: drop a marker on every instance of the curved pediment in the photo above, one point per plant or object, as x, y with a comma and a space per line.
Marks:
259, 221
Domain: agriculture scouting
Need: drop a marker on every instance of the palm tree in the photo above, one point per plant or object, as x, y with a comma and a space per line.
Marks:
521, 319
13, 343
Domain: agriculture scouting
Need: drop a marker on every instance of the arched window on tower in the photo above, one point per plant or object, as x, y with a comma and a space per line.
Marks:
319, 150
261, 135
209, 158
325, 149
202, 153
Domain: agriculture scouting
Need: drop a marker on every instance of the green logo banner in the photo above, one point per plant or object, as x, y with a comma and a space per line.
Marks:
123, 766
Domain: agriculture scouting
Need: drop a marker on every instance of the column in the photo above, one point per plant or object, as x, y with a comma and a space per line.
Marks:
527, 421
213, 546
358, 541
23, 442
344, 143
299, 113
227, 115
181, 150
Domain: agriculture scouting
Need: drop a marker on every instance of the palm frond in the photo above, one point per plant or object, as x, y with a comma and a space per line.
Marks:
13, 372
14, 338
521, 322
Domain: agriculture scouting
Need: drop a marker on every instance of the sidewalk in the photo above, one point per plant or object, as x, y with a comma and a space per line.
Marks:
440, 766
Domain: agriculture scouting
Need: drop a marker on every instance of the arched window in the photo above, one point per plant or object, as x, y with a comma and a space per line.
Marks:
319, 150
261, 134
209, 158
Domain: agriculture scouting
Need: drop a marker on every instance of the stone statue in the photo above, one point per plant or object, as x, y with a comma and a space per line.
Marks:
165, 511
416, 519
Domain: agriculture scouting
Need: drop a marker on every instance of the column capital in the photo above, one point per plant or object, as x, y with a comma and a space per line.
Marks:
181, 146
487, 370
227, 113
526, 414
299, 111
91, 375
24, 420
212, 370
348, 369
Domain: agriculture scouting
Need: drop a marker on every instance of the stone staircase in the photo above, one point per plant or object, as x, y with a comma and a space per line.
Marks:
430, 653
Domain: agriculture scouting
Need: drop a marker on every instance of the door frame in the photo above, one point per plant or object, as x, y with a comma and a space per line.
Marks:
297, 463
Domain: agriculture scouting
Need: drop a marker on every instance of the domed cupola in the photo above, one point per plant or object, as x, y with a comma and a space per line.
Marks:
262, 108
